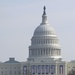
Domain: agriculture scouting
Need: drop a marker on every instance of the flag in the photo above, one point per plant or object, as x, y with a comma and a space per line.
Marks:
33, 69
39, 69
24, 70
43, 69
61, 69
52, 69
47, 69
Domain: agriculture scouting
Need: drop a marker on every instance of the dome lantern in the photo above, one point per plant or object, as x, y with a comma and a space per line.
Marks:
44, 17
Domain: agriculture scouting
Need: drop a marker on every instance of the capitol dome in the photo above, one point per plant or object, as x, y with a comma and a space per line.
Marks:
44, 43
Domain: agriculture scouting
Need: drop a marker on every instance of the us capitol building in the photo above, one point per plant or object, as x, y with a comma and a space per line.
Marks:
44, 55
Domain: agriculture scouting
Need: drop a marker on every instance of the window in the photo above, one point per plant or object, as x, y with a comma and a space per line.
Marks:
39, 41
15, 72
19, 72
5, 72
41, 51
38, 51
33, 52
10, 72
49, 51
46, 41
44, 51
2, 72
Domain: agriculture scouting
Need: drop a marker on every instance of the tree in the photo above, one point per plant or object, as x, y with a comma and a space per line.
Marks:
72, 72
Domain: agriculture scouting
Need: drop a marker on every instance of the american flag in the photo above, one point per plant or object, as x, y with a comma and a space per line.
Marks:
39, 69
24, 70
52, 69
61, 69
43, 69
33, 69
47, 69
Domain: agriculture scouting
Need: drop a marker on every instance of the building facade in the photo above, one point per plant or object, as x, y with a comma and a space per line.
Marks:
44, 55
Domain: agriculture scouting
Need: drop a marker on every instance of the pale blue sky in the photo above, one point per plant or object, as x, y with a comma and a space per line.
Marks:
19, 18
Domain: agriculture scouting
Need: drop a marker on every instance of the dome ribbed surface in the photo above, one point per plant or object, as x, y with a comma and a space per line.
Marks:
44, 30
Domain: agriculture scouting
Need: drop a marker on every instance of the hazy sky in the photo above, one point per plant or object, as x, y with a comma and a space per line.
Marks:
19, 18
